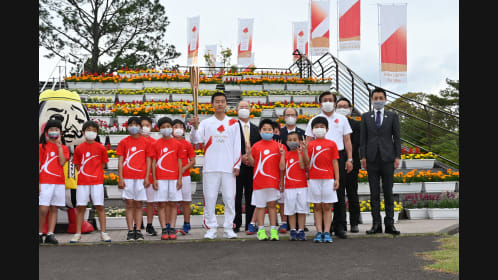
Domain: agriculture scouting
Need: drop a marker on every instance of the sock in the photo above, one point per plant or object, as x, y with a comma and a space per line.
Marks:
261, 227
293, 229
301, 229
149, 225
50, 233
273, 227
40, 233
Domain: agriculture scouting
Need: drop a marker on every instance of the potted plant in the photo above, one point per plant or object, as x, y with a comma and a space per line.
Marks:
447, 207
363, 185
413, 158
439, 181
415, 205
366, 208
408, 182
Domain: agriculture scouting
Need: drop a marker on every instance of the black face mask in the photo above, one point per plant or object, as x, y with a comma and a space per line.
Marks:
276, 137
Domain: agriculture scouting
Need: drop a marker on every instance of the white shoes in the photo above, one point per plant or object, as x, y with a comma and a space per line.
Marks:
210, 234
76, 238
105, 237
230, 234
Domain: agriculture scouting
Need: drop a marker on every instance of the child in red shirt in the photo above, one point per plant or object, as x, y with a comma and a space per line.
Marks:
146, 122
265, 157
52, 155
323, 173
90, 158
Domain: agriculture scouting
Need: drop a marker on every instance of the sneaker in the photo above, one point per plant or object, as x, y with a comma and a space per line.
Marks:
251, 229
283, 228
150, 230
301, 236
76, 238
139, 235
327, 238
130, 236
172, 233
229, 234
105, 237
210, 234
293, 235
262, 234
274, 235
164, 234
185, 228
51, 239
40, 237
318, 238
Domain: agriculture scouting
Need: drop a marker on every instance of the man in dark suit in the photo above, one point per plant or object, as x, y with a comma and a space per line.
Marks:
380, 150
343, 107
250, 132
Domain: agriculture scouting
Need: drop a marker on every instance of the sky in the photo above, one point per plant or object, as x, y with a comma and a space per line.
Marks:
432, 37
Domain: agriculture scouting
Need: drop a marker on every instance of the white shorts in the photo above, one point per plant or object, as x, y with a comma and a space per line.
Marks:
84, 192
261, 197
281, 200
134, 189
186, 188
167, 191
296, 201
150, 192
52, 195
321, 191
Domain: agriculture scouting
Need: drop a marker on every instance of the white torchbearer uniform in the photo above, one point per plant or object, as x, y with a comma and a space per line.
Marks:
221, 140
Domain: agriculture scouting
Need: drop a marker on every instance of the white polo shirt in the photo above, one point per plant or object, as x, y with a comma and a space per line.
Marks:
338, 127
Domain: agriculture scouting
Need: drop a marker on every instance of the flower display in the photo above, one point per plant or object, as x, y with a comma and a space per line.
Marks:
254, 93
416, 176
111, 178
195, 175
416, 154
443, 200
112, 153
365, 206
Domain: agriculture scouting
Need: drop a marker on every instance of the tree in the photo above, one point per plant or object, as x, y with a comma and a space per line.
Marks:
106, 35
225, 55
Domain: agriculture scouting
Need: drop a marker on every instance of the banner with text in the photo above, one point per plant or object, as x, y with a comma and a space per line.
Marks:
244, 43
320, 30
393, 43
300, 38
193, 40
349, 25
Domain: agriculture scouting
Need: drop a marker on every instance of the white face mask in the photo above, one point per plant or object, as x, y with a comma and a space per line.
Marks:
166, 131
244, 113
178, 132
290, 120
343, 111
328, 106
90, 135
145, 130
319, 132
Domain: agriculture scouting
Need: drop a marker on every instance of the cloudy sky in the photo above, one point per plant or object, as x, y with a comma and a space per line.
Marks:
432, 36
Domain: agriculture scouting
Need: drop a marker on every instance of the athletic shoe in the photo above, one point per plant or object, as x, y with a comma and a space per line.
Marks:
76, 238
40, 237
164, 234
229, 234
293, 235
327, 238
283, 228
172, 234
150, 230
130, 236
105, 237
262, 234
274, 235
185, 228
318, 238
251, 229
51, 239
139, 235
211, 233
301, 236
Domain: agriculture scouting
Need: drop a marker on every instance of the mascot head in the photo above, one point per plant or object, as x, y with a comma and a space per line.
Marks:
66, 106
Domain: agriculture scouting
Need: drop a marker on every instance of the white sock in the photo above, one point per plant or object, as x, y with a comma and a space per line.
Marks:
40, 233
261, 227
253, 223
293, 229
273, 227
50, 233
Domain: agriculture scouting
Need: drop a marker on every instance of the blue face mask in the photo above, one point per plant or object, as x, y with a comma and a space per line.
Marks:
267, 136
133, 129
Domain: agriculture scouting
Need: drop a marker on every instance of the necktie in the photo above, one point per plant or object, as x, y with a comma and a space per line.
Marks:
246, 132
377, 120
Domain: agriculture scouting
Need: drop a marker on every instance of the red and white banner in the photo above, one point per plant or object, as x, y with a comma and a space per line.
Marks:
300, 38
393, 43
320, 30
193, 39
349, 25
244, 43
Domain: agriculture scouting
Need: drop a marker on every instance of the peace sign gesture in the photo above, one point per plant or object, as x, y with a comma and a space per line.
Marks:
304, 144
281, 148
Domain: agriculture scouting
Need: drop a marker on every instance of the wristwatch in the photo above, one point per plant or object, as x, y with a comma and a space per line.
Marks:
350, 159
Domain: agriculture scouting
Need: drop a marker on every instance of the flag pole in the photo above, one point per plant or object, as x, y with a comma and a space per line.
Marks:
380, 62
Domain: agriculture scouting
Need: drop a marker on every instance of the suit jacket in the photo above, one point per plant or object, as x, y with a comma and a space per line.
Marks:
254, 137
385, 139
283, 134
355, 140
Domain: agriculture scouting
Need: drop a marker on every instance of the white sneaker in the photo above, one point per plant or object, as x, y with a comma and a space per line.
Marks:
105, 237
211, 234
76, 238
230, 234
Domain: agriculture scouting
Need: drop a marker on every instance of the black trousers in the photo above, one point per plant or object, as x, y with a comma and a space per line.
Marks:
339, 219
377, 171
243, 187
352, 193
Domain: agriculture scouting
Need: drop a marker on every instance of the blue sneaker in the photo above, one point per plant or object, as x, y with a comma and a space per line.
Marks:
301, 236
293, 235
283, 228
327, 238
185, 228
318, 238
251, 229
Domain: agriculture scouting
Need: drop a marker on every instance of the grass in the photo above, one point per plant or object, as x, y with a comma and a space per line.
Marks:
446, 258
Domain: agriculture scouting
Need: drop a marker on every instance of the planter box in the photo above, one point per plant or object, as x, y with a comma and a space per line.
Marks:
319, 87
157, 96
203, 99
112, 164
302, 125
207, 86
363, 188
267, 113
419, 163
443, 213
279, 111
310, 111
179, 85
130, 97
297, 87
255, 120
417, 213
247, 87
106, 119
407, 187
199, 160
436, 187
181, 97
139, 85
115, 138
105, 86
79, 85
255, 99
62, 217
281, 98
304, 98
151, 84
366, 217
113, 192
229, 87
267, 86
122, 119
230, 78
251, 76
194, 186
